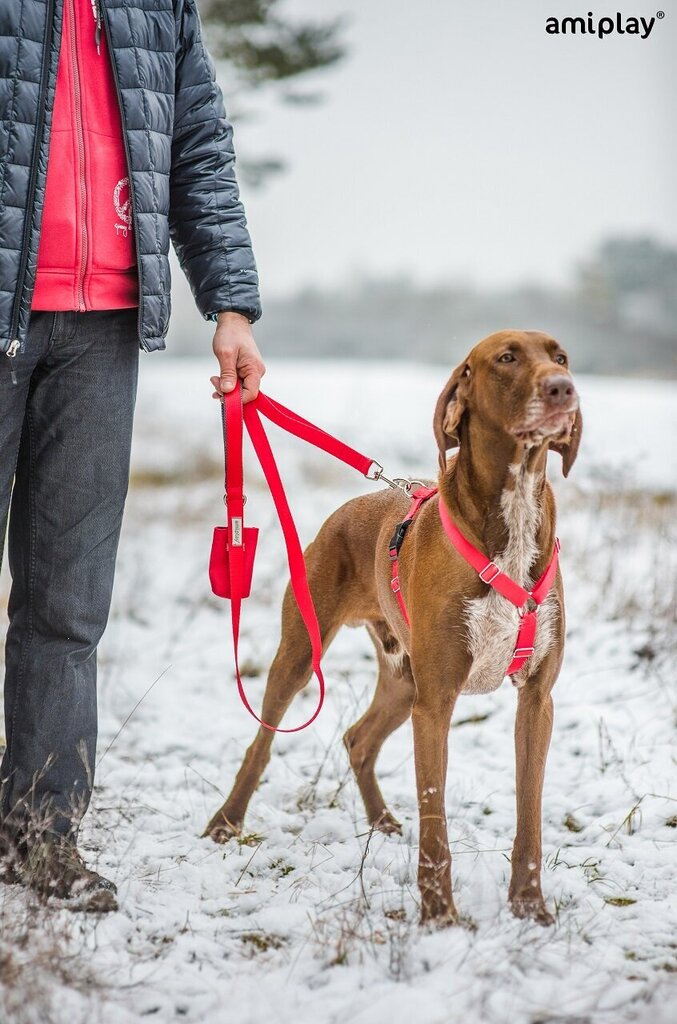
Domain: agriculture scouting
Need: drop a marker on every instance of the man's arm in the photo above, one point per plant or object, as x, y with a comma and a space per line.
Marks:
207, 220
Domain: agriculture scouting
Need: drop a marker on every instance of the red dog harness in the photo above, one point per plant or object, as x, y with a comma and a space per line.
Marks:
527, 601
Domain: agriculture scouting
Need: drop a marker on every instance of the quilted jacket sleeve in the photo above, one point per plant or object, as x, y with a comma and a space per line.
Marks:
206, 218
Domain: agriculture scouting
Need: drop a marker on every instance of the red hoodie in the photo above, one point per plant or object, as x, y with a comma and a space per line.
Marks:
87, 254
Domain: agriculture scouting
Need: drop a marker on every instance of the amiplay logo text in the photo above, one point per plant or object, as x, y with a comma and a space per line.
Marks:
619, 25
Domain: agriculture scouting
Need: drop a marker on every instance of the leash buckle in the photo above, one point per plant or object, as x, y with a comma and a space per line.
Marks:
395, 584
496, 572
398, 483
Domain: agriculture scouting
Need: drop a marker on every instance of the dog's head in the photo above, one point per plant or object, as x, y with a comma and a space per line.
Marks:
519, 383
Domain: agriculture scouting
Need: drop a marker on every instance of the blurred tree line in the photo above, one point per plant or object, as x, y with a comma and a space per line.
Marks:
618, 315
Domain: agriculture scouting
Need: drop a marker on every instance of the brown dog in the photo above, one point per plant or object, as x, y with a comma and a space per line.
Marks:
509, 402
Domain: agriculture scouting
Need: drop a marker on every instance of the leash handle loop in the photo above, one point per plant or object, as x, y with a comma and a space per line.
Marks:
235, 414
297, 566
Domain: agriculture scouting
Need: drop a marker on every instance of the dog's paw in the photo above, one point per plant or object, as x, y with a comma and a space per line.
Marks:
387, 824
533, 910
220, 830
435, 922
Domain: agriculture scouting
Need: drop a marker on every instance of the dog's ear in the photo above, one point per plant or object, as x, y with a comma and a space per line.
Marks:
449, 412
568, 448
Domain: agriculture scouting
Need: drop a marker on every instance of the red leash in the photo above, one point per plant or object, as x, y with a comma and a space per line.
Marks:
233, 547
487, 571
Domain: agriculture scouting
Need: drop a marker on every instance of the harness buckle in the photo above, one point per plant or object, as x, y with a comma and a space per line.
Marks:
523, 652
496, 572
395, 584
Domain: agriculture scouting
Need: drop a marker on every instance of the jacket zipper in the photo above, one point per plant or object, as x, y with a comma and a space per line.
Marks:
82, 180
104, 17
32, 182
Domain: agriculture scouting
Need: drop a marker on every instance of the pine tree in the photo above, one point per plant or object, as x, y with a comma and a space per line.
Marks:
260, 47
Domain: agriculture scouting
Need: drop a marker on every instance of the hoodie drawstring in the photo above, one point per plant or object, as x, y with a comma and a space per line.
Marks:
96, 11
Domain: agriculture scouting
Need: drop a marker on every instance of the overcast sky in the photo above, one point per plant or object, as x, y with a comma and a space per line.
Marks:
458, 139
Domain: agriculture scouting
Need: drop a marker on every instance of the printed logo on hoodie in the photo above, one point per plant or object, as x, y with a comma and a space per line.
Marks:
123, 206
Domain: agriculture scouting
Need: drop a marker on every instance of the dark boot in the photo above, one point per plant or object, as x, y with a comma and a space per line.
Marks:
9, 859
54, 868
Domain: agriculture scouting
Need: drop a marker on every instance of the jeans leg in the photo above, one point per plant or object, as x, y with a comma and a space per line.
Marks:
65, 519
13, 404
13, 400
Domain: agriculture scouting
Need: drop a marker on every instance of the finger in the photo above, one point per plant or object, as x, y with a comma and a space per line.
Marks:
228, 367
250, 386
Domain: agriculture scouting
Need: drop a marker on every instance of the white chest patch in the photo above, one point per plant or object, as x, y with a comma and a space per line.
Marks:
492, 621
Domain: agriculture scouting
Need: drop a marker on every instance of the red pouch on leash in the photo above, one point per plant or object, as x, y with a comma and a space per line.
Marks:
219, 568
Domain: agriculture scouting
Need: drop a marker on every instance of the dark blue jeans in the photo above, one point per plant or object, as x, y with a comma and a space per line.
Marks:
65, 439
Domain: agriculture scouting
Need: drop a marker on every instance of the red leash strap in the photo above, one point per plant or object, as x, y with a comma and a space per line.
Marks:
238, 553
295, 424
297, 566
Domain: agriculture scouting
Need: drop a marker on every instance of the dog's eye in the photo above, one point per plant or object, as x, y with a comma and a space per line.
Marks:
507, 357
561, 359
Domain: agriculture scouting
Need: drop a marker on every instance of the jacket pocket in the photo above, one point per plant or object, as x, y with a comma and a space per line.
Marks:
112, 230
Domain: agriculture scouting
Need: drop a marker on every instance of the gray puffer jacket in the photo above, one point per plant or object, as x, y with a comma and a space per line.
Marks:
179, 151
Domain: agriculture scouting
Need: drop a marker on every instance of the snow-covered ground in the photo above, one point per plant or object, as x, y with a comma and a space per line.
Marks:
309, 918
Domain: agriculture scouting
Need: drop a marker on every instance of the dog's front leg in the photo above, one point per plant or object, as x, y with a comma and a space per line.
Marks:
533, 728
431, 717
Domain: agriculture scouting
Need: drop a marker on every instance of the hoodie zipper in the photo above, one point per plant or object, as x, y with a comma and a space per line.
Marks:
14, 344
103, 13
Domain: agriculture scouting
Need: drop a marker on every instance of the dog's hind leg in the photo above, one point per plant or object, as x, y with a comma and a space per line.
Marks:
390, 708
289, 673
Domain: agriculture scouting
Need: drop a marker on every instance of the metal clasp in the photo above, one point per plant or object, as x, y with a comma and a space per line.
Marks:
225, 499
398, 483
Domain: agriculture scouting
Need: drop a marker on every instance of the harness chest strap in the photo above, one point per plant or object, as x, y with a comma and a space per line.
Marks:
487, 571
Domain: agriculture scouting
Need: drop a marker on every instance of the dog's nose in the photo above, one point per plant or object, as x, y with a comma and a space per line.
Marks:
558, 389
